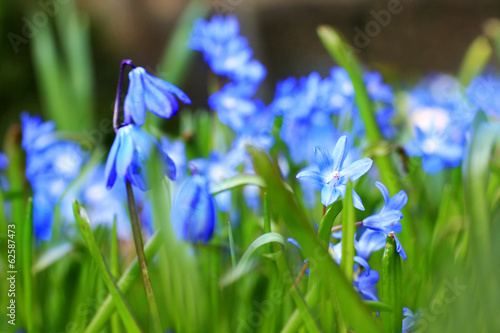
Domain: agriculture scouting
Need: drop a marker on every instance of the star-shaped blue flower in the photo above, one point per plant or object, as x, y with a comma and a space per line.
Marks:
146, 92
333, 176
129, 154
388, 220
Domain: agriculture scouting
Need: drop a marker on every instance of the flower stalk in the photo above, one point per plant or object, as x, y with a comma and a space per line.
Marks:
139, 247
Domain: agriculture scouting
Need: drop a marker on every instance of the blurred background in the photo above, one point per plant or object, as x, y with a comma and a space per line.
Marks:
80, 44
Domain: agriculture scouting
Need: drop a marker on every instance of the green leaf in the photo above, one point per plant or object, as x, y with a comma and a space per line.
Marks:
379, 306
124, 284
348, 229
391, 287
475, 173
240, 180
351, 305
27, 253
325, 227
245, 263
51, 256
123, 310
476, 58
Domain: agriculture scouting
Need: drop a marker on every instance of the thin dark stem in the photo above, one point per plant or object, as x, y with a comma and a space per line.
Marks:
139, 247
339, 227
116, 111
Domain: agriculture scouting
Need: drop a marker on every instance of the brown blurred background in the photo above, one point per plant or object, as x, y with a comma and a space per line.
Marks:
423, 36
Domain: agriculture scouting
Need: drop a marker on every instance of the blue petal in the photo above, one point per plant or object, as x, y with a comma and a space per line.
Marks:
311, 176
355, 170
167, 87
125, 153
356, 201
110, 169
339, 153
329, 194
324, 160
413, 149
397, 202
432, 164
385, 192
399, 248
160, 103
134, 104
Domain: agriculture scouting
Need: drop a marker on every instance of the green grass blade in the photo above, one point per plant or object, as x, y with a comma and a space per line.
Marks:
378, 306
115, 271
245, 263
476, 58
123, 310
238, 181
391, 287
348, 229
325, 227
27, 253
128, 277
351, 305
344, 56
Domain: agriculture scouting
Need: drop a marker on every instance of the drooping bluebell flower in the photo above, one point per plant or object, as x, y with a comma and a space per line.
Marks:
388, 219
193, 212
146, 92
441, 119
484, 93
227, 53
332, 174
216, 169
410, 322
129, 155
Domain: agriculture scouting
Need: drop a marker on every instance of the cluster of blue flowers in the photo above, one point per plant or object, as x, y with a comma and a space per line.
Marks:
441, 117
52, 164
315, 111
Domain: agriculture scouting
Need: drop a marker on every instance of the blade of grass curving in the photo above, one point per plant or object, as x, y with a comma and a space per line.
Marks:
378, 306
245, 263
123, 310
27, 253
238, 181
127, 279
351, 305
476, 58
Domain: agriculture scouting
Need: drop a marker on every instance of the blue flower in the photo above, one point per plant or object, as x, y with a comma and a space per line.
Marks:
369, 242
129, 155
216, 169
227, 53
234, 105
410, 322
37, 134
176, 149
484, 93
441, 119
193, 211
146, 92
4, 161
365, 282
388, 220
333, 176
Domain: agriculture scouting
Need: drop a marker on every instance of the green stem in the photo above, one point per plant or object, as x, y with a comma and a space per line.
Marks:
27, 261
139, 247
